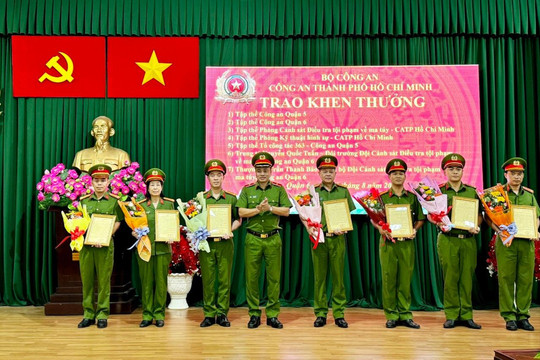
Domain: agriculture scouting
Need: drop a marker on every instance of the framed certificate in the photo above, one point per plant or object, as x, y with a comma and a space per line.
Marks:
100, 230
167, 225
218, 219
526, 220
338, 215
464, 212
400, 220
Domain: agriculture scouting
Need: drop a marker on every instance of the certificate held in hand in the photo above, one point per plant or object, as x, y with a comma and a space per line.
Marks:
218, 221
167, 226
338, 215
399, 218
100, 230
464, 212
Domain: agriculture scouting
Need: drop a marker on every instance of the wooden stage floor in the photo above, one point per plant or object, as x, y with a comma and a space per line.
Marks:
25, 333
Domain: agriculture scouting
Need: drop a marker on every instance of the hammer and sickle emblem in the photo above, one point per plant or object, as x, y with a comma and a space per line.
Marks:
65, 74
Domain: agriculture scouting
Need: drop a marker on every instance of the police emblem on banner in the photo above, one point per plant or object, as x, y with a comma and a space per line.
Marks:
235, 88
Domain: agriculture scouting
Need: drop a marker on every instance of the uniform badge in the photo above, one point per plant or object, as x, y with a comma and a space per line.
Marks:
101, 168
454, 157
516, 162
397, 163
235, 88
327, 160
262, 157
154, 172
214, 163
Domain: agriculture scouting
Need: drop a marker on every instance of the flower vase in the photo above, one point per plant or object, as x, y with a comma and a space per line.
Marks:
178, 286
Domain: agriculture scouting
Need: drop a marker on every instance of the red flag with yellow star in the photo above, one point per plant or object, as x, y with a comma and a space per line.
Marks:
58, 66
153, 67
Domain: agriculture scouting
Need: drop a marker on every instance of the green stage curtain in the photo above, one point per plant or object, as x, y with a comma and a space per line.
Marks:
35, 134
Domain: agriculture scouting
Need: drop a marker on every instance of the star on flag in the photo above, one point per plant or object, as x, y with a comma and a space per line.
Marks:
153, 69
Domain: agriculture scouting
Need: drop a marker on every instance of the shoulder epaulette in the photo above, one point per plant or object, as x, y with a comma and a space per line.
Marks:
277, 184
318, 185
442, 184
341, 185
115, 196
384, 192
252, 184
474, 187
85, 197
529, 190
229, 193
142, 200
168, 199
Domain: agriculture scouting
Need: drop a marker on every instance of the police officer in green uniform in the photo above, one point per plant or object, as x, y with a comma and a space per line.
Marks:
262, 203
397, 259
457, 250
95, 259
329, 255
516, 262
218, 262
154, 272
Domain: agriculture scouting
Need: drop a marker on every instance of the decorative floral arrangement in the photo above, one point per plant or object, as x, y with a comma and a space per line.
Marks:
194, 214
492, 259
304, 198
128, 182
184, 259
309, 208
371, 202
76, 222
136, 219
62, 187
434, 201
499, 209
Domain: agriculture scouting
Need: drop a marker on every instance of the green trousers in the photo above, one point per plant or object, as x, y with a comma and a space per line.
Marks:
515, 267
256, 250
330, 254
458, 260
397, 265
154, 285
217, 265
96, 261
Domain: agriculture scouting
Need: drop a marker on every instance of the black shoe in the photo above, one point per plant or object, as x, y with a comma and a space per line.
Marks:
341, 323
410, 324
319, 321
102, 323
208, 321
511, 325
390, 324
525, 325
254, 322
86, 323
274, 322
471, 324
223, 321
449, 324
145, 323
160, 323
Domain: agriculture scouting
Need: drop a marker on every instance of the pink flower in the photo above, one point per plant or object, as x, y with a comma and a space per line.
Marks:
78, 187
131, 170
40, 196
48, 188
138, 176
55, 188
61, 190
87, 179
133, 186
125, 190
73, 196
73, 174
40, 186
75, 204
57, 169
115, 191
122, 173
56, 180
55, 197
135, 165
142, 186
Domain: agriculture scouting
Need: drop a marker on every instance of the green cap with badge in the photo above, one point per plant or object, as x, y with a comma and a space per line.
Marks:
515, 163
454, 160
327, 162
262, 159
100, 170
154, 174
215, 165
396, 165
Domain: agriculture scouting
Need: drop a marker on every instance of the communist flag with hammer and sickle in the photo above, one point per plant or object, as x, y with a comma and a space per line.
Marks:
58, 66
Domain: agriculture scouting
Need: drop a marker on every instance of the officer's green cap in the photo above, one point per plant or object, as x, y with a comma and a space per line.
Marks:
515, 163
215, 165
452, 160
262, 159
100, 170
154, 174
327, 162
396, 165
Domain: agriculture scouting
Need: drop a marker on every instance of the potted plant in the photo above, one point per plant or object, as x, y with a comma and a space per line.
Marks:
183, 266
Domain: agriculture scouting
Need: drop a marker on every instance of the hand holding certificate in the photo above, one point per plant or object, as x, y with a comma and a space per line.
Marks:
100, 230
465, 213
526, 220
338, 216
400, 220
167, 226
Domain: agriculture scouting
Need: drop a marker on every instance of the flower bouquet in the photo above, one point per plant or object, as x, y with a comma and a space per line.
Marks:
183, 259
499, 210
128, 182
308, 206
434, 201
61, 187
76, 222
371, 202
135, 218
194, 213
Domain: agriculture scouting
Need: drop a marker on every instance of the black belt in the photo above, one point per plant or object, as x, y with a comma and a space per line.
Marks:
460, 236
263, 235
401, 238
215, 239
